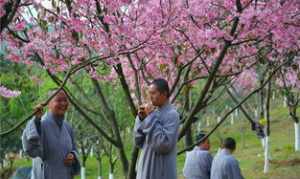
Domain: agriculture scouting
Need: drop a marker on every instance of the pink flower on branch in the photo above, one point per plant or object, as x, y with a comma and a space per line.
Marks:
7, 93
2, 10
20, 25
171, 33
247, 80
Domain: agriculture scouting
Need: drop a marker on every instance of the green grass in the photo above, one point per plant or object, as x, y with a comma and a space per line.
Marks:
249, 150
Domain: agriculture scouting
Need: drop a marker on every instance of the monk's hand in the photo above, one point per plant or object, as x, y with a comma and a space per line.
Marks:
149, 108
39, 111
145, 110
69, 160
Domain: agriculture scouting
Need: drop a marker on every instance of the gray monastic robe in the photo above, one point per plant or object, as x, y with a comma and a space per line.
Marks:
225, 166
51, 143
157, 136
37, 165
197, 164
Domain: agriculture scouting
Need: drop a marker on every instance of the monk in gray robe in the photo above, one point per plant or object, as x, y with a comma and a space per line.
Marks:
224, 165
198, 161
156, 133
49, 140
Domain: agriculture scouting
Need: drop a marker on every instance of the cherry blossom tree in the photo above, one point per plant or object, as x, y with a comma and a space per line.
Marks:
190, 43
289, 83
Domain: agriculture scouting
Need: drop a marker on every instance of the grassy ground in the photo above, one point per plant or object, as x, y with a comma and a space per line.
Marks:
249, 150
250, 153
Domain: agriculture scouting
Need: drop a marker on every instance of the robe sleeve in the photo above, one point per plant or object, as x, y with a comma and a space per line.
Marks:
165, 133
143, 129
139, 136
76, 164
32, 140
233, 169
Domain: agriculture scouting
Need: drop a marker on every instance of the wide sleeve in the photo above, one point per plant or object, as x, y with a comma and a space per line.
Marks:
76, 164
142, 129
32, 140
165, 133
139, 136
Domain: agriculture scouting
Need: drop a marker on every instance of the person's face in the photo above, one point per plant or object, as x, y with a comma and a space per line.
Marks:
157, 98
59, 104
206, 144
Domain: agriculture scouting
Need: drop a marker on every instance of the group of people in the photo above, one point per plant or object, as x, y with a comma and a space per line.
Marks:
200, 164
50, 141
156, 133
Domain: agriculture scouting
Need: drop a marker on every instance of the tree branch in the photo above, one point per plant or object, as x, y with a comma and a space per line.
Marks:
234, 108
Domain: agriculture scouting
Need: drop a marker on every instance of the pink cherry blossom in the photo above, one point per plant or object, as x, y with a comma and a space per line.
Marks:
7, 93
171, 34
20, 26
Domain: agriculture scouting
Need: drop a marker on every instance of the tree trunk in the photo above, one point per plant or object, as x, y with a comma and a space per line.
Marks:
99, 167
232, 119
267, 147
266, 155
112, 167
297, 136
92, 152
83, 167
124, 160
134, 157
293, 113
110, 114
188, 138
82, 173
111, 176
207, 122
284, 102
262, 111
